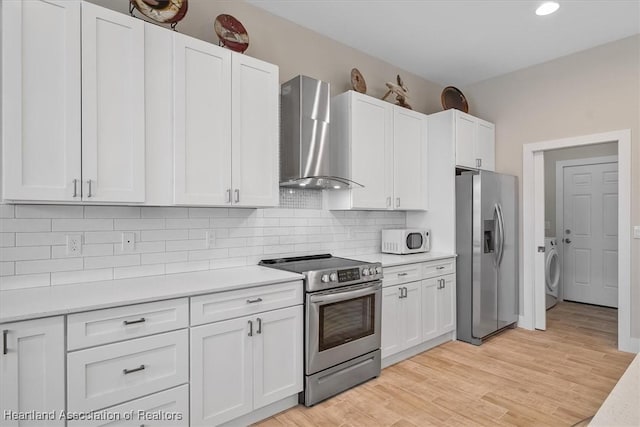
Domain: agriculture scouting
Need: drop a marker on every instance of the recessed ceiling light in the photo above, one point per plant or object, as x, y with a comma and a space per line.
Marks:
547, 8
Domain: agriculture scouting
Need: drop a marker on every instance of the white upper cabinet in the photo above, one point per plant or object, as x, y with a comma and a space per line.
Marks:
73, 103
255, 132
409, 159
41, 100
473, 138
113, 149
387, 154
202, 144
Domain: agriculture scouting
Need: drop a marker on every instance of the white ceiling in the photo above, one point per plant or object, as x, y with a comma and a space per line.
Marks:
459, 42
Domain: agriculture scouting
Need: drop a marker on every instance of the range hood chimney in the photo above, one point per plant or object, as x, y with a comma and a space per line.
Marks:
305, 145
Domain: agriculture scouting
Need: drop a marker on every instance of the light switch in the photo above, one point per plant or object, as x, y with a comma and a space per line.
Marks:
636, 231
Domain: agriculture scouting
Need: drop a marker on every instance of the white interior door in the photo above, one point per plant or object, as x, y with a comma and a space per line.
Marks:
590, 233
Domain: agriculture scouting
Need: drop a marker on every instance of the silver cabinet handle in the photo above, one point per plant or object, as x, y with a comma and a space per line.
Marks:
75, 187
402, 274
131, 371
89, 194
228, 200
478, 163
4, 341
250, 328
251, 301
237, 195
401, 293
388, 202
440, 267
397, 202
259, 331
133, 322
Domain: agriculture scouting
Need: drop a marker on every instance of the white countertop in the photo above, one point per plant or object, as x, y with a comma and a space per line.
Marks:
389, 260
22, 304
622, 406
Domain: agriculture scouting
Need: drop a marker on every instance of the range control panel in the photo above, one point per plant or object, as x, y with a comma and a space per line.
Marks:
355, 274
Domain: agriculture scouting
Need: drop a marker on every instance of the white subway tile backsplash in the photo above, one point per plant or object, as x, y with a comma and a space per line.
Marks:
27, 281
9, 225
111, 261
7, 268
81, 224
111, 212
138, 271
25, 253
7, 239
138, 224
174, 239
48, 211
83, 276
7, 211
48, 266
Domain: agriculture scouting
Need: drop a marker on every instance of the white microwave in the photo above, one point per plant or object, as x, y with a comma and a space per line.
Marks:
405, 241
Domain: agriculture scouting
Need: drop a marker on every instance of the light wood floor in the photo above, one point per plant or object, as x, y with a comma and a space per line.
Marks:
520, 377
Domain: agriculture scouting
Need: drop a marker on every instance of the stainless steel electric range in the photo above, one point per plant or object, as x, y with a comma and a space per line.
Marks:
343, 299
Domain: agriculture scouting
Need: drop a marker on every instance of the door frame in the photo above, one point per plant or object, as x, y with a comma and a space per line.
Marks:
560, 165
532, 272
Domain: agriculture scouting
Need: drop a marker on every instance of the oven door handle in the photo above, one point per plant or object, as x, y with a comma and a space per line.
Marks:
343, 295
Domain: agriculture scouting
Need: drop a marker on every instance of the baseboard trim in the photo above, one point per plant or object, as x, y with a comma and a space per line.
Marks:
410, 352
263, 413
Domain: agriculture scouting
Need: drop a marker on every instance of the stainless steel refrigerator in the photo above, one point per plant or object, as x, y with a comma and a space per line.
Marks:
487, 248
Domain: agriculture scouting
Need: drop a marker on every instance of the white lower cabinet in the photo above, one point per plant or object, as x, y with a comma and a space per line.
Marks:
401, 318
169, 408
438, 306
32, 370
243, 364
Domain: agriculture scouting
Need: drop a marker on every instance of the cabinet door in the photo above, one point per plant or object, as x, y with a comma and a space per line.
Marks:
202, 122
32, 370
41, 100
465, 139
411, 308
410, 159
430, 304
485, 145
221, 371
113, 112
255, 116
277, 355
447, 305
391, 321
371, 152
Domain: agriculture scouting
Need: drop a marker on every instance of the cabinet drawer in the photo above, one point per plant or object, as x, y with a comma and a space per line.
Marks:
107, 375
122, 323
438, 268
227, 305
401, 274
168, 408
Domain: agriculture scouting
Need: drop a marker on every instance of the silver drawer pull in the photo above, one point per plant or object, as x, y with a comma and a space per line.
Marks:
251, 301
402, 274
133, 322
131, 371
4, 341
440, 267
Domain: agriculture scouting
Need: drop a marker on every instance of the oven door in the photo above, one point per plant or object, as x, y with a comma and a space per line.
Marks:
342, 324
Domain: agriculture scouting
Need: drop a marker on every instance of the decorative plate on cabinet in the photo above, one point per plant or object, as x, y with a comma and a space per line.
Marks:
451, 97
163, 11
231, 33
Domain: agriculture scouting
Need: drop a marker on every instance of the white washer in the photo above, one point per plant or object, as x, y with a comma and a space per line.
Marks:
552, 270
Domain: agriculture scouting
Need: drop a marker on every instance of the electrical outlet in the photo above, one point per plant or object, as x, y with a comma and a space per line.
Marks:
636, 231
74, 244
128, 242
210, 237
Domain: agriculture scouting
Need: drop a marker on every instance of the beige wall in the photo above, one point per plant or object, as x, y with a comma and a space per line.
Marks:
550, 160
593, 91
297, 50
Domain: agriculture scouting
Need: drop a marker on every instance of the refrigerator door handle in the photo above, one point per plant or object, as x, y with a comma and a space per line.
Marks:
501, 231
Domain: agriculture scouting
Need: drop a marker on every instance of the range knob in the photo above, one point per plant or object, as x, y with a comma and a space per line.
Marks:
365, 271
333, 277
324, 278
378, 270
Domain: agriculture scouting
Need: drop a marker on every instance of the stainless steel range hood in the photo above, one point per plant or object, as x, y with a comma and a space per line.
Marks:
305, 146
